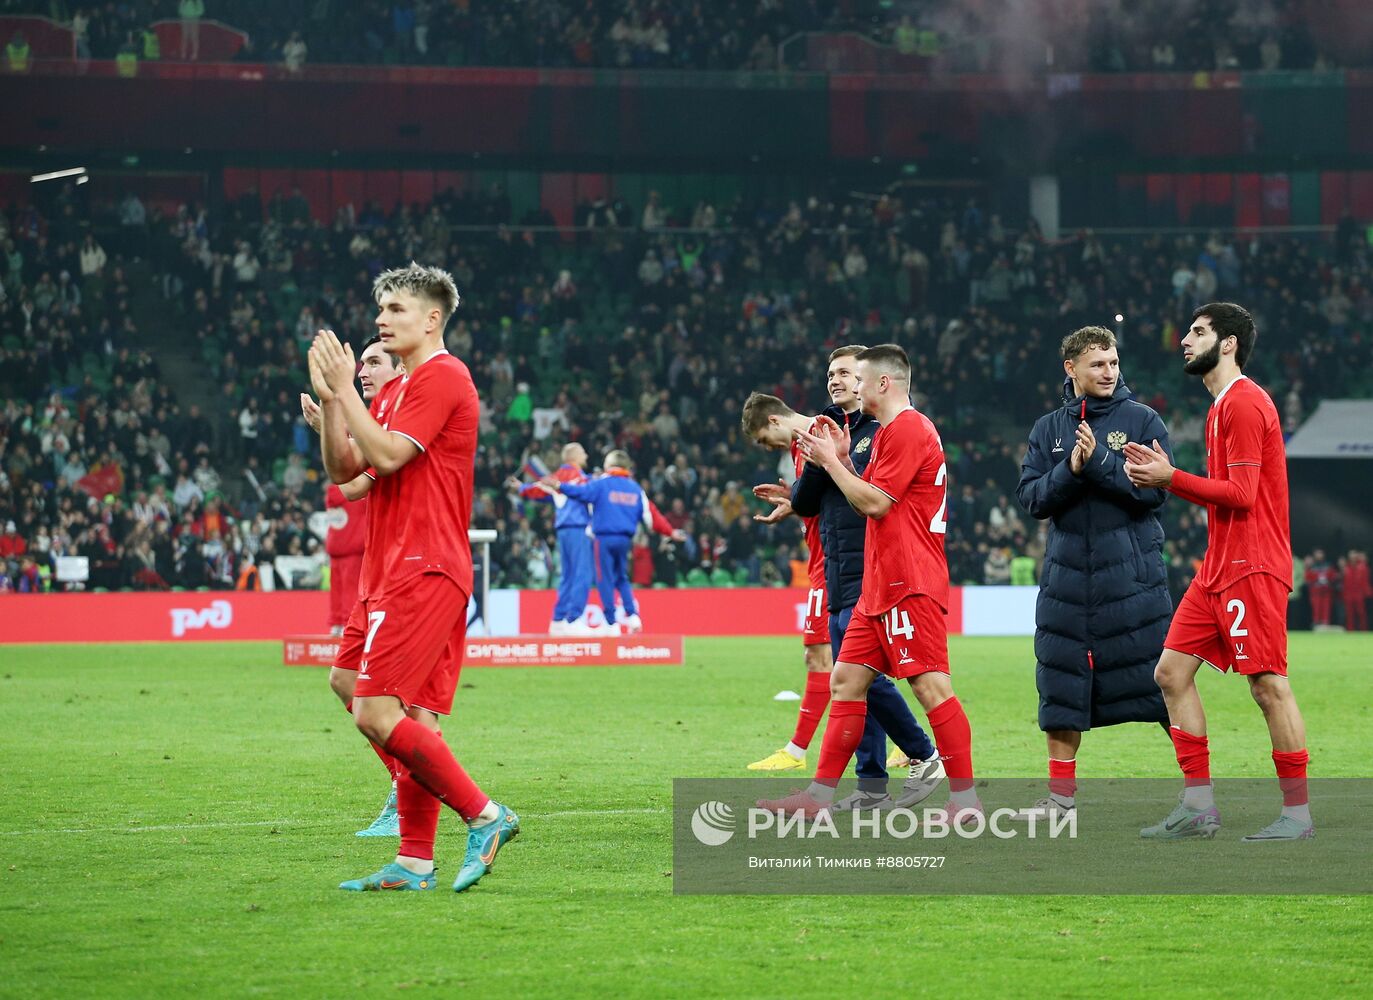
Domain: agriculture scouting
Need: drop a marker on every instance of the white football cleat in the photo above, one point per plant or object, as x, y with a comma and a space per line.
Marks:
609, 628
631, 623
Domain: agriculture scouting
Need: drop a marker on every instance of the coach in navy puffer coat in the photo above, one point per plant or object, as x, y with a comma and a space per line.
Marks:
1103, 609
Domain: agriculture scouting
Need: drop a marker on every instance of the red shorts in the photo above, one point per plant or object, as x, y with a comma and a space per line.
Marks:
1242, 628
343, 587
413, 645
909, 639
349, 656
816, 629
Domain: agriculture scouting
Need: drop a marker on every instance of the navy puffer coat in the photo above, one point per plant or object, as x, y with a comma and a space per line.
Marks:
1103, 607
843, 531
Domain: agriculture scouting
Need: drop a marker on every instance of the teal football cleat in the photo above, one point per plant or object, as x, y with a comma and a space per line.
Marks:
387, 823
391, 878
482, 844
1184, 821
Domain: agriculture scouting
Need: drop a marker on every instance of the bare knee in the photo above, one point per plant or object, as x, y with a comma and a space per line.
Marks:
1175, 671
850, 682
377, 717
1270, 691
931, 689
818, 660
342, 683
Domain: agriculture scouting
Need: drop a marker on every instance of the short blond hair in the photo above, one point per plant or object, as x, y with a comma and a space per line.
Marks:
433, 284
618, 459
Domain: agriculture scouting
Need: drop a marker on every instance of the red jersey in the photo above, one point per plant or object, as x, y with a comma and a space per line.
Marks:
815, 568
419, 516
1245, 493
904, 551
347, 532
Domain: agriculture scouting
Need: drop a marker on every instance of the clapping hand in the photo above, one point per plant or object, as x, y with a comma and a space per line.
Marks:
334, 363
838, 434
773, 493
1148, 469
823, 447
310, 410
1083, 449
779, 496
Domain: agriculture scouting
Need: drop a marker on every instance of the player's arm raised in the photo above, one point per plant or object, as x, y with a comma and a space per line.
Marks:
343, 462
356, 489
1238, 490
383, 450
822, 450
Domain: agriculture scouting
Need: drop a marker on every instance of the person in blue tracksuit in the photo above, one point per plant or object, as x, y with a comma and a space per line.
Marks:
572, 522
619, 507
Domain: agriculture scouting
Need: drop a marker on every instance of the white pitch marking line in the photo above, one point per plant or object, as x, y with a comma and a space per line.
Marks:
148, 829
173, 827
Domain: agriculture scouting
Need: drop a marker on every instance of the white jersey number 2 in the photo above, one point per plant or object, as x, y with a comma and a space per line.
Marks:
939, 524
1236, 607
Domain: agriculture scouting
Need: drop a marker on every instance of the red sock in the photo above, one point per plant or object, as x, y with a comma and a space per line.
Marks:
953, 734
419, 818
813, 704
1063, 777
393, 766
1291, 765
843, 733
1194, 756
432, 764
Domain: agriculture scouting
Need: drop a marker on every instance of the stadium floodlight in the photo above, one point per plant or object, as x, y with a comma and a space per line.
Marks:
57, 175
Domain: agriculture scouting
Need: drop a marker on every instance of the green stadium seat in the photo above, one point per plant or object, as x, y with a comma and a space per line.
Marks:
696, 577
721, 577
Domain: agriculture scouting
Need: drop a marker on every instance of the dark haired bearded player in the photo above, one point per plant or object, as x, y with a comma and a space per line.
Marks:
1234, 615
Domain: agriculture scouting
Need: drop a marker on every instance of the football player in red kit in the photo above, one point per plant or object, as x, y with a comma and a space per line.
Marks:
1234, 615
417, 445
898, 626
773, 424
345, 543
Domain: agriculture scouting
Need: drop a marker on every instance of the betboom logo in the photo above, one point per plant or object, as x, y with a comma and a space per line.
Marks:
713, 823
220, 614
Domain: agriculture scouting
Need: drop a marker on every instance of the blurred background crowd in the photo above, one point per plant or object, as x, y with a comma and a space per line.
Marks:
948, 36
151, 363
152, 351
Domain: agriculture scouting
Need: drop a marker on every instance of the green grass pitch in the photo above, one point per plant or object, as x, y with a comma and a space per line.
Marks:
176, 818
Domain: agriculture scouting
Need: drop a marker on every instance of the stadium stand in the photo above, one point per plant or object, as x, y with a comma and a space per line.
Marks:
150, 361
941, 36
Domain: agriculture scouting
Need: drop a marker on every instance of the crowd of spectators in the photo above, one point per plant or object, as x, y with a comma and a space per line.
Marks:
644, 330
981, 36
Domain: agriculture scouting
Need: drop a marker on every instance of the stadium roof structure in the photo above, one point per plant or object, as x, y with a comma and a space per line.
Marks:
1340, 428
